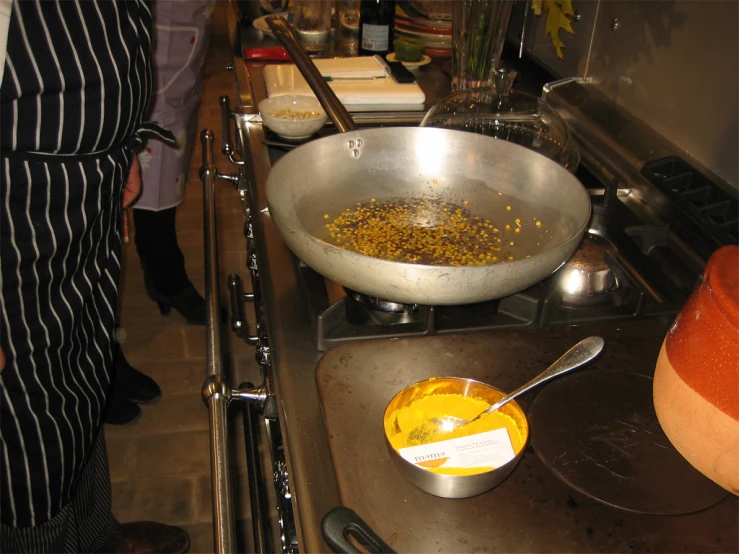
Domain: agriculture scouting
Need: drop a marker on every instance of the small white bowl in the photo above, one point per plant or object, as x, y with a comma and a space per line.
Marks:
288, 127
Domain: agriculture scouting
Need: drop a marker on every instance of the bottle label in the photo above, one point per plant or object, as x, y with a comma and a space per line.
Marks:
375, 37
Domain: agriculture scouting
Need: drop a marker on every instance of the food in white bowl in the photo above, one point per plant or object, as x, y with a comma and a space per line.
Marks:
293, 116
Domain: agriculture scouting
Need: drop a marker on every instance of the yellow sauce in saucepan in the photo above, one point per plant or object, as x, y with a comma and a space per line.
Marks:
403, 421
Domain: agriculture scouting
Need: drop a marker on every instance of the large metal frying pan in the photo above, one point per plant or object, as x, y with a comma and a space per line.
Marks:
497, 180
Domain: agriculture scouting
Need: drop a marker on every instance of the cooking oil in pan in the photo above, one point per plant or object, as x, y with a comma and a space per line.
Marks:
433, 231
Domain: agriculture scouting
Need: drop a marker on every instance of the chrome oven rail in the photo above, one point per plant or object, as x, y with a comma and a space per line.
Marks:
217, 392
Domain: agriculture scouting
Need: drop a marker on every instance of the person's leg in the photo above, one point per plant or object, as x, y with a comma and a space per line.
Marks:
130, 387
164, 265
97, 528
137, 386
120, 409
85, 524
158, 250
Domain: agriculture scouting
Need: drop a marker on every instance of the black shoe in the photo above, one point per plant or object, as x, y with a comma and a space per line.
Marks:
187, 301
120, 410
132, 383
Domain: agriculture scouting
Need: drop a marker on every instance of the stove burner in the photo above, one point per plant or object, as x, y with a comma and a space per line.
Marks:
378, 303
598, 432
363, 309
587, 277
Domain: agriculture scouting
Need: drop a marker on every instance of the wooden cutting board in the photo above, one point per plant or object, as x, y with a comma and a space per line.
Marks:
360, 83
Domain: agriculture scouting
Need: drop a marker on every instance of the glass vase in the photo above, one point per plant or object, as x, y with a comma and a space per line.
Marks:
478, 33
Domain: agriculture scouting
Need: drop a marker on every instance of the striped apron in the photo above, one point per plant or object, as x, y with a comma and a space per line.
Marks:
76, 86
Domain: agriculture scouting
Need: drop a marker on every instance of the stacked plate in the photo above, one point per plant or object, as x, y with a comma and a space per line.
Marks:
436, 34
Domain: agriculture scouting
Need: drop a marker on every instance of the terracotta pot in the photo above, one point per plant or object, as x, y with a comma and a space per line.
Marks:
696, 381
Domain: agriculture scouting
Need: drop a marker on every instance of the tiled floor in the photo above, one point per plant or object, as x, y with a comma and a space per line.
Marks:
160, 465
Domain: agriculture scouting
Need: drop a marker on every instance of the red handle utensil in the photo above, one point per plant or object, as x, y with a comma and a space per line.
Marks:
272, 53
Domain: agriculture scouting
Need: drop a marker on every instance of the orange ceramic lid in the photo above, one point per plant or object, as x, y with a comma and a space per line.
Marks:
703, 344
722, 280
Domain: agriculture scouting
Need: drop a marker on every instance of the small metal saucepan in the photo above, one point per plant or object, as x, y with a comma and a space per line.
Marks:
447, 485
421, 429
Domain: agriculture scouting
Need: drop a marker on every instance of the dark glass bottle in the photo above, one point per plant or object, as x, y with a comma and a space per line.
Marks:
376, 22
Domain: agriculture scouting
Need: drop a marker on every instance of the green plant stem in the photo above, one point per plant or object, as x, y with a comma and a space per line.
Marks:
484, 20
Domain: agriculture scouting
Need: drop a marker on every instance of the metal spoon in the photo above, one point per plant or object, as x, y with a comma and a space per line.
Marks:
577, 356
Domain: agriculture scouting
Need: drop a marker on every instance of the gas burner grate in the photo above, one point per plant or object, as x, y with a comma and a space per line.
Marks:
337, 321
715, 209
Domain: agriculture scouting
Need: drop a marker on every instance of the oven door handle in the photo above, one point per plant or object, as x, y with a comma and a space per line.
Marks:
239, 323
226, 115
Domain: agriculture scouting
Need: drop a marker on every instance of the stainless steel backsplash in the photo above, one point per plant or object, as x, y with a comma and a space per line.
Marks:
674, 65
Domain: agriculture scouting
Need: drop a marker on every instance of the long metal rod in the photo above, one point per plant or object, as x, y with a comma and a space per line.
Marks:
224, 536
257, 493
216, 392
208, 174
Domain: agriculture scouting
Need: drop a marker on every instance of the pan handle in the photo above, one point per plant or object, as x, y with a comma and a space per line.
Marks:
328, 99
342, 521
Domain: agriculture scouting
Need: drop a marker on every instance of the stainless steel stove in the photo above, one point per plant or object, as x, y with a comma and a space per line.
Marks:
624, 269
333, 360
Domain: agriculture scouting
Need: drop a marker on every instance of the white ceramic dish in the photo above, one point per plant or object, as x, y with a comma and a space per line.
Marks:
391, 57
430, 41
261, 23
292, 128
425, 35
